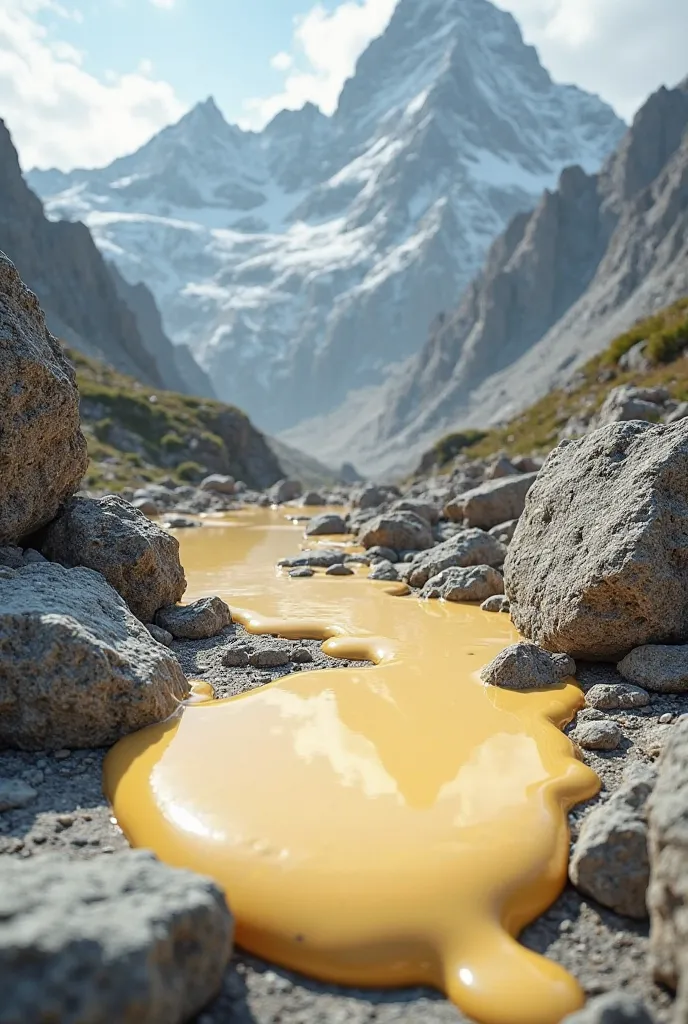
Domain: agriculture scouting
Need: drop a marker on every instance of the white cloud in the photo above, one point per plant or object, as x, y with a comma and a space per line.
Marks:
59, 114
326, 47
281, 61
621, 49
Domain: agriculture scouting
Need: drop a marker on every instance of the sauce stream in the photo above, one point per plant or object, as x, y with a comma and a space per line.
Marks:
388, 825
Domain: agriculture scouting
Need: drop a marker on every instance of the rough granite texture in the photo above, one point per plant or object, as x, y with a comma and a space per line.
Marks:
468, 547
598, 561
657, 667
400, 531
492, 503
122, 939
77, 668
42, 450
474, 583
199, 620
135, 556
524, 666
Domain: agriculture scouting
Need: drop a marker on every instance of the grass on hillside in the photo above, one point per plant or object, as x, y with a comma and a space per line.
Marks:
138, 434
537, 429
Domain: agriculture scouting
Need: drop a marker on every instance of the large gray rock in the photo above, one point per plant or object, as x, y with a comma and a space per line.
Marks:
198, 620
43, 450
610, 860
593, 568
492, 503
218, 483
668, 841
425, 509
285, 490
659, 668
115, 939
525, 666
400, 531
474, 583
135, 556
325, 525
77, 669
629, 403
468, 547
616, 697
612, 1008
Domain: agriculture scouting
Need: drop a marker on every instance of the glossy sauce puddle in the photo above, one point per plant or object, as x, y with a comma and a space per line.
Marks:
387, 825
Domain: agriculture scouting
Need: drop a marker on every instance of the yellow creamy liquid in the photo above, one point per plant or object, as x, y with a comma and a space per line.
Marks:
391, 825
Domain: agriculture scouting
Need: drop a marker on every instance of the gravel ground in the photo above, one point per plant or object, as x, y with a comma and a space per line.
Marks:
602, 950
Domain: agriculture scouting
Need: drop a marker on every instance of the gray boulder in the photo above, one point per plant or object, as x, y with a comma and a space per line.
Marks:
313, 498
498, 603
427, 511
198, 620
465, 548
628, 403
326, 525
339, 569
43, 450
218, 483
657, 667
668, 842
604, 734
401, 531
135, 556
368, 496
77, 669
610, 860
121, 938
474, 583
616, 697
612, 1008
383, 570
525, 666
491, 503
285, 490
592, 569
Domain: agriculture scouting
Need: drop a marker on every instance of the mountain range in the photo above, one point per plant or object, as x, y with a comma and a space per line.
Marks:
303, 263
595, 255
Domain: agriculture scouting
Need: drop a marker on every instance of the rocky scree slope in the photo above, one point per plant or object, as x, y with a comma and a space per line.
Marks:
642, 375
85, 305
596, 253
300, 262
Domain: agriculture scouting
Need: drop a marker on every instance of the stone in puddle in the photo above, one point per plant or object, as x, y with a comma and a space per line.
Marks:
135, 556
326, 525
466, 548
77, 668
285, 490
610, 860
15, 794
199, 620
383, 570
339, 569
592, 569
658, 667
616, 697
476, 583
218, 483
524, 666
497, 603
312, 559
597, 735
302, 574
612, 1008
380, 554
668, 892
269, 657
400, 531
121, 938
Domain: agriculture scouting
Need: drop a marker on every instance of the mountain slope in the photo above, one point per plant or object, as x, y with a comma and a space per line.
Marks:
84, 300
558, 284
300, 262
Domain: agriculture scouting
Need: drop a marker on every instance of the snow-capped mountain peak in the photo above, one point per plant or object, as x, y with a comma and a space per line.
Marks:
301, 261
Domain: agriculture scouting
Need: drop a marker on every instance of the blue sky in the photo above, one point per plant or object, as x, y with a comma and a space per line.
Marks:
84, 81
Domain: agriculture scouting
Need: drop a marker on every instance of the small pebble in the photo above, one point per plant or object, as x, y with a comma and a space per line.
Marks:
302, 573
62, 755
301, 655
235, 658
598, 735
665, 719
269, 657
339, 570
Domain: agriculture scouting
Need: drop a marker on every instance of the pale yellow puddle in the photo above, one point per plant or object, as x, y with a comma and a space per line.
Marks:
386, 826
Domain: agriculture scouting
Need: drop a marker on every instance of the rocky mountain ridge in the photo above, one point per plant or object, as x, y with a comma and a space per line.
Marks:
85, 307
300, 262
596, 254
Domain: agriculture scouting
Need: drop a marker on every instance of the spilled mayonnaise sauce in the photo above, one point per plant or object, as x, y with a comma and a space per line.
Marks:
387, 825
